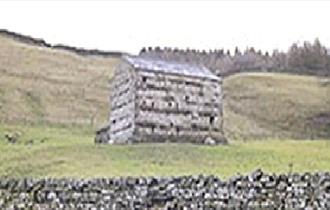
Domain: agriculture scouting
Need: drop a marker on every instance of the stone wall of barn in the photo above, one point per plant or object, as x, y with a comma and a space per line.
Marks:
169, 106
122, 105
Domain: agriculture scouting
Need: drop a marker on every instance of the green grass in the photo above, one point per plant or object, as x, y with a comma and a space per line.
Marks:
63, 97
62, 152
46, 86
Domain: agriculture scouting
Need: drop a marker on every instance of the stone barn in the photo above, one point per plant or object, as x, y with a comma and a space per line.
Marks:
159, 101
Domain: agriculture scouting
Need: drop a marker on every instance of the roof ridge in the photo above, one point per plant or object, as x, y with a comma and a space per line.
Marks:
156, 64
166, 61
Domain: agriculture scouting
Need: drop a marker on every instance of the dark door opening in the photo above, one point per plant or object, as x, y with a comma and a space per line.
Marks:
211, 120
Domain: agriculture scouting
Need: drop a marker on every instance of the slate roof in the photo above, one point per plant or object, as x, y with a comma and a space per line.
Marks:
170, 67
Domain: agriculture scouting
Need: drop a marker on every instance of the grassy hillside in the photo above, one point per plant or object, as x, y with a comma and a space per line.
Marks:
259, 106
61, 152
54, 90
53, 86
43, 85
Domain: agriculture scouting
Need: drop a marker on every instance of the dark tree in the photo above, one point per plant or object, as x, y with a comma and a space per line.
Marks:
237, 52
143, 50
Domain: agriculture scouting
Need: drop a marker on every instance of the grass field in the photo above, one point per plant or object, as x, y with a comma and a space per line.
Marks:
63, 97
274, 105
60, 152
46, 86
52, 86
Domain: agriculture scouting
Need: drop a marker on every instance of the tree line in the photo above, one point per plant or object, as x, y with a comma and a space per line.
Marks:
308, 58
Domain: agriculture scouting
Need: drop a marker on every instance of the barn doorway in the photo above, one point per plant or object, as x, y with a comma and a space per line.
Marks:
211, 120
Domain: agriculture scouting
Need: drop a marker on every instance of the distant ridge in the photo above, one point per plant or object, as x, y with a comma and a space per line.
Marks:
42, 43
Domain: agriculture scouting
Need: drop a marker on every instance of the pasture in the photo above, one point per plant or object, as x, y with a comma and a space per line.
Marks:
71, 152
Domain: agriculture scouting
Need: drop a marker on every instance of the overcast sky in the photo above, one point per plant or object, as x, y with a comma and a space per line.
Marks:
128, 26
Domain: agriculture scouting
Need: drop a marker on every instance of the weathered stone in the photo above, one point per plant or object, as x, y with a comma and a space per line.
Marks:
255, 191
209, 141
13, 137
157, 101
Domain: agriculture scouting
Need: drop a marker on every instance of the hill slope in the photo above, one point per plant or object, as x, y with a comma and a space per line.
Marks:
42, 84
39, 84
268, 105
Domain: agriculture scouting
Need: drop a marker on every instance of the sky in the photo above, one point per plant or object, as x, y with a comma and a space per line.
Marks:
130, 25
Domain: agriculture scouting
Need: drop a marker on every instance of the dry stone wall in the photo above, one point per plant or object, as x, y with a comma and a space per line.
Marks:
254, 191
177, 107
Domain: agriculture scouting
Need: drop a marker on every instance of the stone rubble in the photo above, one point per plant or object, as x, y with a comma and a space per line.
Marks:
255, 191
